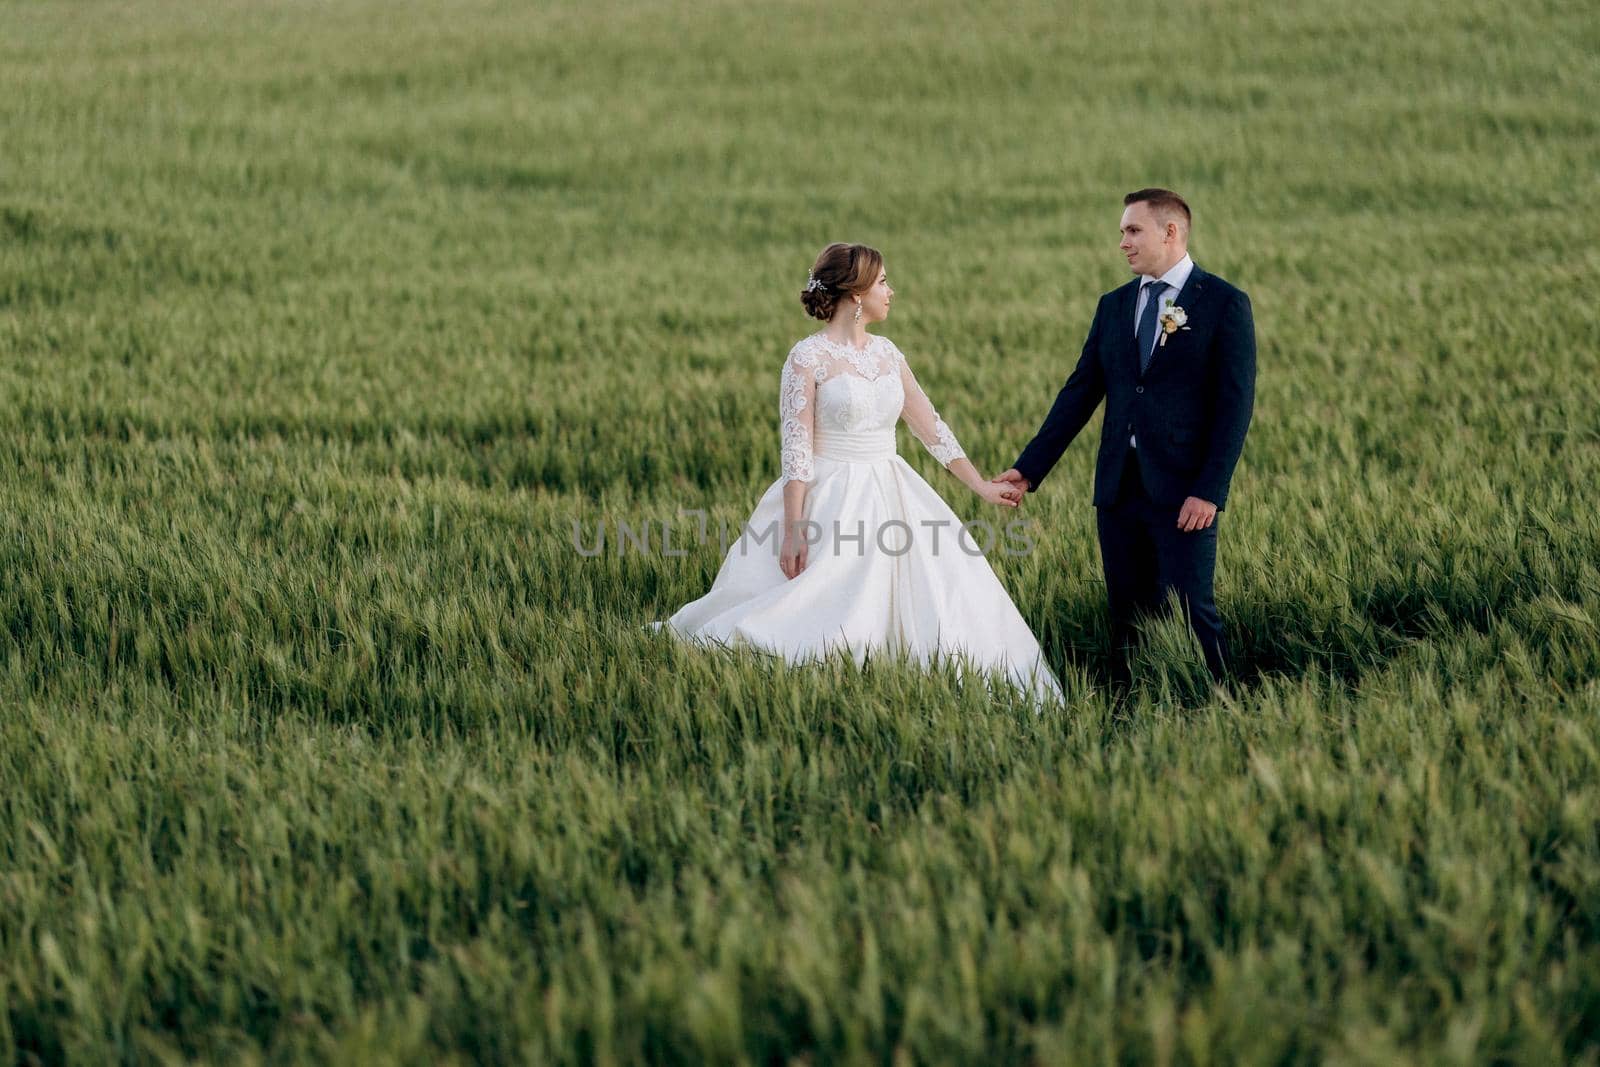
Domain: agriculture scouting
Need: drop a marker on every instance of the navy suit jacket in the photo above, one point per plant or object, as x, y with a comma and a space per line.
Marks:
1189, 409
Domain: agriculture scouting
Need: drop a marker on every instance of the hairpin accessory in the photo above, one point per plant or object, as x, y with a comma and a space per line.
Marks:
812, 284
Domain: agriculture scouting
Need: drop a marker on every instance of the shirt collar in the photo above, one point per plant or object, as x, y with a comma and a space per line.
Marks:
1179, 274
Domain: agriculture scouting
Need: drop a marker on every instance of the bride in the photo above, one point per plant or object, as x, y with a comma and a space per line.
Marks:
871, 559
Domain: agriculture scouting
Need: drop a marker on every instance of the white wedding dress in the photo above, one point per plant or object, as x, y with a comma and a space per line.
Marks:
889, 566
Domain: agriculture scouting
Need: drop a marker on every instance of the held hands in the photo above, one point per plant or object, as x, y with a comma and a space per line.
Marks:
1012, 485
1001, 494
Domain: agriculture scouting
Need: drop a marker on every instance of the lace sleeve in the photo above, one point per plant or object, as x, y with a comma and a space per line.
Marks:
924, 421
797, 407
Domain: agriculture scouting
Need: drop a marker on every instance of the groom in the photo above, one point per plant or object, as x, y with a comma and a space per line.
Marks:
1173, 354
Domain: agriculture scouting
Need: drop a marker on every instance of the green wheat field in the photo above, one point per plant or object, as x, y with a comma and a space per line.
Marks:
322, 324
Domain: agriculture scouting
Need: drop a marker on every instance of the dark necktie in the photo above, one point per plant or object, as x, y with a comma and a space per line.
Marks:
1147, 321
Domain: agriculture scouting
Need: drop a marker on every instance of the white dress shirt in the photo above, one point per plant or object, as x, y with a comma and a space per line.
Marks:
1176, 278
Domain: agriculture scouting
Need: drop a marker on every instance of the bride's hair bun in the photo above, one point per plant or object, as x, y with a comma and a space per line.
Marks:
841, 270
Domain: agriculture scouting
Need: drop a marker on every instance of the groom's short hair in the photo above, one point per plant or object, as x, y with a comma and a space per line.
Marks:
1167, 205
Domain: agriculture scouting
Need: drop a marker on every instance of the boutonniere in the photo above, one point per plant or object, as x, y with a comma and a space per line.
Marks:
1173, 319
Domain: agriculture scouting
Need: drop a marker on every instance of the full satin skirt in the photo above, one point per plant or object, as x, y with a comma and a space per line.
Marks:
889, 570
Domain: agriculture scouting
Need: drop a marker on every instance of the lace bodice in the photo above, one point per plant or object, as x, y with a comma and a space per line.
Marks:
827, 386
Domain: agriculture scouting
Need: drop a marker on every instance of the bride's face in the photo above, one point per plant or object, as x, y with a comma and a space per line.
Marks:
875, 301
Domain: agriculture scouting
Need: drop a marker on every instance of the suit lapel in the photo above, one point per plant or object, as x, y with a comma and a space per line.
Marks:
1187, 298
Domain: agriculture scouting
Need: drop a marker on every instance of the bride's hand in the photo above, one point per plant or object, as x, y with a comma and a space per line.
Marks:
1001, 494
792, 556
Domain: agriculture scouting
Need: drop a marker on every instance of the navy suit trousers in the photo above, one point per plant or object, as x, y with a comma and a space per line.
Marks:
1146, 556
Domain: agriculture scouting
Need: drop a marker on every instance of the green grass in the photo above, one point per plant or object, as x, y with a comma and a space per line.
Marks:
321, 324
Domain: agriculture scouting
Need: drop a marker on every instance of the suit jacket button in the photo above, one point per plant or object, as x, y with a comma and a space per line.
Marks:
1138, 388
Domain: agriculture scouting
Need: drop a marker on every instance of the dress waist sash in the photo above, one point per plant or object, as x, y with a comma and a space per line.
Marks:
868, 447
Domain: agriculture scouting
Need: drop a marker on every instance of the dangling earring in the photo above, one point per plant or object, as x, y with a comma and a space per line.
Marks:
858, 312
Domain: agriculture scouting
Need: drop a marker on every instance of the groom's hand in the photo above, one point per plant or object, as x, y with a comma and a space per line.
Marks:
1196, 514
1014, 478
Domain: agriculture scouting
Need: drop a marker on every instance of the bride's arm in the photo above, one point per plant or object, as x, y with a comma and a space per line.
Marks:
937, 437
796, 418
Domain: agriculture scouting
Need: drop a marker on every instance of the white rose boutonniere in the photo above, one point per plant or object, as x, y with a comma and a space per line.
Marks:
1173, 318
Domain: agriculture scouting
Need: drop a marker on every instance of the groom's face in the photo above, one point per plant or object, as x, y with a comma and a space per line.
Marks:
1149, 244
